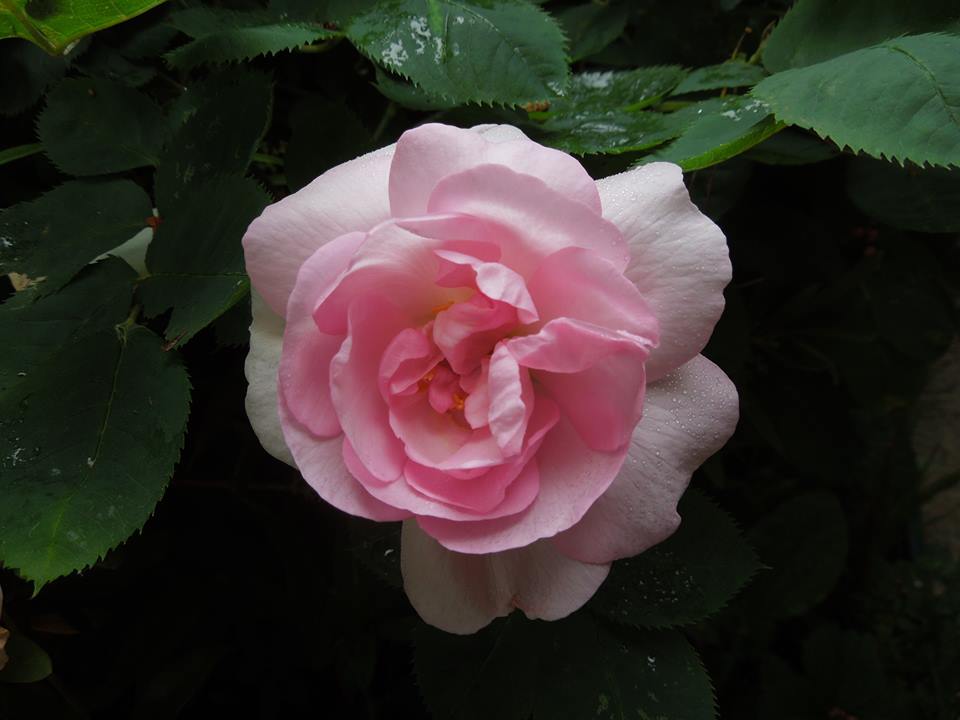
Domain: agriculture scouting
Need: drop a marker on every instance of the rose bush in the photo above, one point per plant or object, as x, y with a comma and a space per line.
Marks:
465, 332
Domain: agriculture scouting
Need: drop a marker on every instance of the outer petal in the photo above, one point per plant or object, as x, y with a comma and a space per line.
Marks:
688, 416
678, 258
348, 198
429, 153
542, 219
463, 593
261, 367
320, 461
307, 352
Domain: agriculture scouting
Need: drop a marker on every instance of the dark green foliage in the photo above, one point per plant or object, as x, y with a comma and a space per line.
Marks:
221, 36
216, 134
195, 261
731, 74
803, 542
145, 581
570, 668
909, 197
592, 26
504, 51
56, 235
684, 579
27, 661
818, 30
900, 99
83, 119
92, 422
311, 153
716, 130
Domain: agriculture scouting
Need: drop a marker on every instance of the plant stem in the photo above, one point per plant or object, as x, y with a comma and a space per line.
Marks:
19, 151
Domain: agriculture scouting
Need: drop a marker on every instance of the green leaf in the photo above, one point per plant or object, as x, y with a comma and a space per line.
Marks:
618, 89
591, 27
731, 74
196, 260
94, 127
55, 24
221, 36
573, 668
495, 51
409, 95
804, 543
610, 132
909, 198
28, 71
601, 112
88, 436
58, 234
27, 662
225, 121
108, 62
684, 579
818, 30
898, 100
338, 12
717, 130
97, 300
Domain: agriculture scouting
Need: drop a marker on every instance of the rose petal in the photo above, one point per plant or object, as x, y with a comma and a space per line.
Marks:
463, 593
493, 279
481, 494
408, 358
476, 408
467, 331
392, 262
596, 375
521, 482
439, 441
431, 152
261, 368
541, 219
688, 416
572, 477
577, 283
510, 400
678, 258
307, 352
348, 198
355, 388
320, 461
440, 393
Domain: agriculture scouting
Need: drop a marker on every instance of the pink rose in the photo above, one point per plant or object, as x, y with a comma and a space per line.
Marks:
465, 332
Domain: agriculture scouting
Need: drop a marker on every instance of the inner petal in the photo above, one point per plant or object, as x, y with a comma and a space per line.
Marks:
467, 331
444, 441
409, 357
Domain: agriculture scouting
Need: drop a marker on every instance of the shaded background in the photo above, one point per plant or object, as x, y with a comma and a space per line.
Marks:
246, 594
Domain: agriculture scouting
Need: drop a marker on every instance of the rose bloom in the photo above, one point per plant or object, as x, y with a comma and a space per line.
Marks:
465, 332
